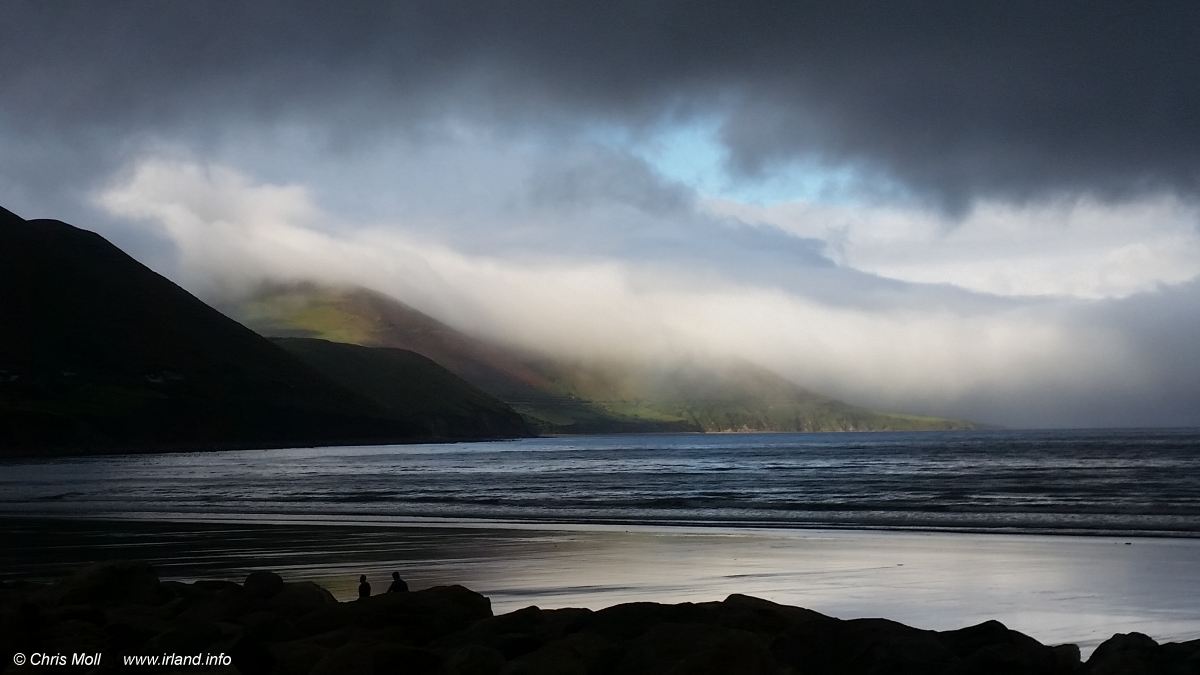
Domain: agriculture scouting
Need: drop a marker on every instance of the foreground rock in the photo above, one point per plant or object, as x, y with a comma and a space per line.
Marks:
268, 626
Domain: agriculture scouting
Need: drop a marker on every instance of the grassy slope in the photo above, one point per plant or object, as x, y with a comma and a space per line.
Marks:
562, 396
365, 318
409, 386
100, 352
730, 396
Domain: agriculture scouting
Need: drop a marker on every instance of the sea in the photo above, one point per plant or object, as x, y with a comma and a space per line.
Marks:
1066, 535
1120, 482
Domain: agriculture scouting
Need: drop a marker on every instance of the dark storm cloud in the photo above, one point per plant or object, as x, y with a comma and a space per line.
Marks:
492, 160
950, 100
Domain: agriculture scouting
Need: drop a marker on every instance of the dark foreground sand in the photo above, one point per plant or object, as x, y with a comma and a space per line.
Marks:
118, 611
1078, 590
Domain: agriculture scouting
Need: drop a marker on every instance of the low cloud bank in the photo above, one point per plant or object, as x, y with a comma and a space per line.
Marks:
662, 273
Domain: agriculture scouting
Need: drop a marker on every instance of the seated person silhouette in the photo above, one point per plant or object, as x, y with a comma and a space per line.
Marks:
364, 588
398, 585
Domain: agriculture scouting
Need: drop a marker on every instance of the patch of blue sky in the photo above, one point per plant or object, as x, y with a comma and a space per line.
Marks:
693, 155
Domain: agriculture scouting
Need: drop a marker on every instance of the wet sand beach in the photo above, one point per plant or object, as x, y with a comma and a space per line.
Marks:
936, 531
1056, 589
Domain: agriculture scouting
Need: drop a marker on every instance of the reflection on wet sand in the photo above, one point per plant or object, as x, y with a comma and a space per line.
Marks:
1057, 589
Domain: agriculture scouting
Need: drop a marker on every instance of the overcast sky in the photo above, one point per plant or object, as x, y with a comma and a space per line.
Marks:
985, 210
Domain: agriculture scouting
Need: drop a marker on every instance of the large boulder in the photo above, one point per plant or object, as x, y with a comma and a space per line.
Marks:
261, 584
1014, 660
268, 626
862, 647
70, 636
992, 648
1068, 655
762, 616
131, 626
581, 653
424, 615
517, 633
632, 619
22, 622
967, 641
298, 598
1185, 653
264, 596
474, 660
112, 584
191, 637
296, 657
1138, 654
252, 656
371, 658
211, 601
697, 649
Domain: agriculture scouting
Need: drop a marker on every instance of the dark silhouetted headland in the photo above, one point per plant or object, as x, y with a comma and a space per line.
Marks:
98, 352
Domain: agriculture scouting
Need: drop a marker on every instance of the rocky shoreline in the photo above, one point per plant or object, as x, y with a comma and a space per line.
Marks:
268, 626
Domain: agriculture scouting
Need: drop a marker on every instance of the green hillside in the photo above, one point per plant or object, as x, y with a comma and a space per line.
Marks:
562, 396
366, 318
729, 396
98, 352
409, 386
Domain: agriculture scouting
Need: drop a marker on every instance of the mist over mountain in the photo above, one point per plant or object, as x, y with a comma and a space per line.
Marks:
98, 352
986, 212
562, 395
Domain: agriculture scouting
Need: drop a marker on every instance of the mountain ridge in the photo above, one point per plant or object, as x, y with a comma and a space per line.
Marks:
560, 395
101, 353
